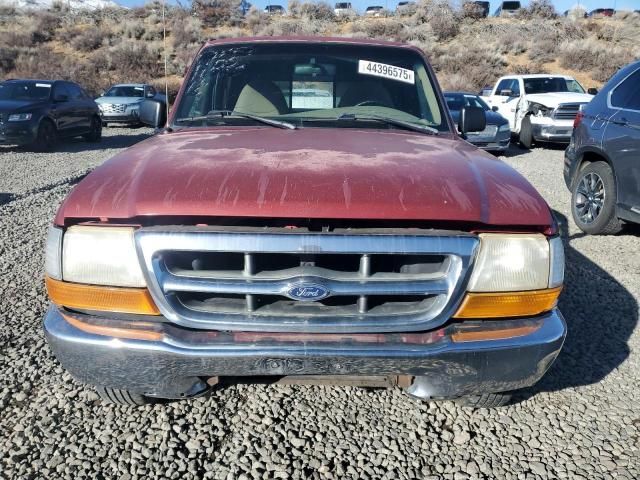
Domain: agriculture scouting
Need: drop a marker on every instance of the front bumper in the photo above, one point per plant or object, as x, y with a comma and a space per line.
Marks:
551, 130
18, 133
132, 117
495, 142
494, 356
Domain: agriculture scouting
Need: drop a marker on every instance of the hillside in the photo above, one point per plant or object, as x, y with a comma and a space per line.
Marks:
101, 47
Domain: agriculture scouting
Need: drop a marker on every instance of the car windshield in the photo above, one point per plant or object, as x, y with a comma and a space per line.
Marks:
318, 85
551, 84
455, 101
125, 91
343, 5
25, 91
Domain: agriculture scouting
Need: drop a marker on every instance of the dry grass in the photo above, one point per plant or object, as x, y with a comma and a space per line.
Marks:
101, 47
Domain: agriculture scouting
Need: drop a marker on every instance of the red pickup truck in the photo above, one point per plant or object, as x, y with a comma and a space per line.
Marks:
307, 213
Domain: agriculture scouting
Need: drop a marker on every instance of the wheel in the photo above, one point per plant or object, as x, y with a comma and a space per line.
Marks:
95, 132
487, 400
526, 133
122, 397
46, 137
593, 200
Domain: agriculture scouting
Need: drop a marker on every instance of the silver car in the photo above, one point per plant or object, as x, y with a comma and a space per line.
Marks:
121, 103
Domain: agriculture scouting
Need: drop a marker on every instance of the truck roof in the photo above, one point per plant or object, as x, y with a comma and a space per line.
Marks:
306, 39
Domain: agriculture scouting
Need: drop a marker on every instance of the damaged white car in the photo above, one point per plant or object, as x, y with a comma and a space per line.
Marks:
540, 108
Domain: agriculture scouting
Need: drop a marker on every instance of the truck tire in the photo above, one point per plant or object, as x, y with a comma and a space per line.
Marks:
487, 400
46, 138
595, 182
526, 133
122, 397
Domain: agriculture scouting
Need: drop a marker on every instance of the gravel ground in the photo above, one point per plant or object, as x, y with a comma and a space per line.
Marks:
581, 422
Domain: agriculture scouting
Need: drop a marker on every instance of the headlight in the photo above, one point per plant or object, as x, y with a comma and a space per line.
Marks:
95, 268
540, 110
508, 263
101, 256
19, 117
504, 128
514, 275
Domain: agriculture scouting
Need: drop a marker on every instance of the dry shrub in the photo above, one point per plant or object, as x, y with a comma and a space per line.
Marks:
440, 16
543, 51
133, 59
479, 65
293, 8
380, 28
8, 56
256, 20
89, 40
185, 31
471, 11
321, 11
284, 26
215, 13
538, 9
590, 56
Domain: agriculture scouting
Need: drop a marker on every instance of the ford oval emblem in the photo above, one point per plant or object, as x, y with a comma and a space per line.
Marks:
307, 292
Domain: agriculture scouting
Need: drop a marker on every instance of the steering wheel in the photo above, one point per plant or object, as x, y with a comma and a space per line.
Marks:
371, 103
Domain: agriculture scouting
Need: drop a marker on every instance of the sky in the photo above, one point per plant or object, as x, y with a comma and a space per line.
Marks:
360, 5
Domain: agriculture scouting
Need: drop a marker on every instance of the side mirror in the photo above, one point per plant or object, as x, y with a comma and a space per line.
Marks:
61, 98
494, 109
150, 94
592, 91
152, 113
472, 119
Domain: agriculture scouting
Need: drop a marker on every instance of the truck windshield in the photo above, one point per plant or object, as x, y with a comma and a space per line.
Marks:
317, 85
25, 91
125, 91
551, 84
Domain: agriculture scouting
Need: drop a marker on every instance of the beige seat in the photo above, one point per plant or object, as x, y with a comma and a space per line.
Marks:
261, 97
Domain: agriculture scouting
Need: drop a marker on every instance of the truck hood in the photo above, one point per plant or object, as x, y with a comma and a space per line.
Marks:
552, 100
307, 173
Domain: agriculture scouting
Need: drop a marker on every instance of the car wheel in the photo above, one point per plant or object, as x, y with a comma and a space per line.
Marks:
46, 137
593, 200
95, 133
122, 397
526, 133
487, 400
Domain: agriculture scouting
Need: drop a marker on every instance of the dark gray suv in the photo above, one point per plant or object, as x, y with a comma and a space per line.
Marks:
602, 162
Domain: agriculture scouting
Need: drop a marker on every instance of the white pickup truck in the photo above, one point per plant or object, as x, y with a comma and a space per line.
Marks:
539, 107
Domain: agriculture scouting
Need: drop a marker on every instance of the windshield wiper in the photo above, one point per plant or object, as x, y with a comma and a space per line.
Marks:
218, 114
391, 121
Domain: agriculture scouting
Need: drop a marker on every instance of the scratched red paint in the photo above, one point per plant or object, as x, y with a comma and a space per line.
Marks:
307, 173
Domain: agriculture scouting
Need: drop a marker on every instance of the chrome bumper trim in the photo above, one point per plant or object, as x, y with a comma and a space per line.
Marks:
173, 367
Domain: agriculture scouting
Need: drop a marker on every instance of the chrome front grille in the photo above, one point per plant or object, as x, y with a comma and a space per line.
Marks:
114, 107
566, 111
256, 281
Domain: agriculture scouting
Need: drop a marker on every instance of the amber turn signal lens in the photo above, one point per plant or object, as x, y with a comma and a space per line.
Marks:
508, 304
93, 297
